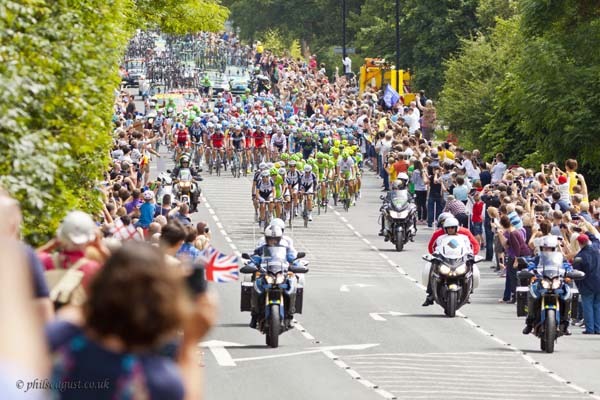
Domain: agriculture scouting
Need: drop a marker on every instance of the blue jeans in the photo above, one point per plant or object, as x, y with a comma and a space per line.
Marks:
435, 205
510, 284
591, 312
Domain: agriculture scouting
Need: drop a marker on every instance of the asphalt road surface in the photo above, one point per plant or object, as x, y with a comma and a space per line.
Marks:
363, 333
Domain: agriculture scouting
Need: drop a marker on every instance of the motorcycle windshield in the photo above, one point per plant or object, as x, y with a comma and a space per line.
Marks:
185, 174
399, 199
452, 250
274, 259
551, 264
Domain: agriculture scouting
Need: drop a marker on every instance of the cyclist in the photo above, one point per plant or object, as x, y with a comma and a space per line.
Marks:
265, 193
217, 144
278, 143
292, 179
196, 134
181, 138
346, 172
308, 185
255, 180
279, 188
322, 165
237, 141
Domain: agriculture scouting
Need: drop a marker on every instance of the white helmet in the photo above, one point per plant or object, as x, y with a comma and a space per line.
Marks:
265, 173
402, 176
148, 195
548, 241
273, 235
279, 223
262, 165
450, 223
307, 168
77, 228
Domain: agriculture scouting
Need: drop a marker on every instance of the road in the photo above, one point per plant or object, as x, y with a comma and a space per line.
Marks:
363, 333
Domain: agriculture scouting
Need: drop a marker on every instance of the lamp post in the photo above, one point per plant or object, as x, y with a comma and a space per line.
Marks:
398, 83
344, 29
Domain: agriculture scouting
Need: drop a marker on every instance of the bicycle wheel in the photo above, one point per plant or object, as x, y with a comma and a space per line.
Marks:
218, 162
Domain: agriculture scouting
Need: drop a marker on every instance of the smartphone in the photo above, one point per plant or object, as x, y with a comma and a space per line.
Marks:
196, 281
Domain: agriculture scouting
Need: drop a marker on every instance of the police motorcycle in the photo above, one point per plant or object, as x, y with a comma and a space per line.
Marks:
398, 214
549, 295
166, 186
185, 187
275, 288
452, 272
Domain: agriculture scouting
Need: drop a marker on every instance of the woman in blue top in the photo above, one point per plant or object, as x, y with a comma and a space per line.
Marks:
136, 305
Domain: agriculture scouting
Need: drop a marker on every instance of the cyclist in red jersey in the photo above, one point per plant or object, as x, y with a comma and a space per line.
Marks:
217, 143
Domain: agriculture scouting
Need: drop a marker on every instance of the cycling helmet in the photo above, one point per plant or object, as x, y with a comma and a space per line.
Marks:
148, 195
308, 168
265, 173
443, 217
451, 223
292, 163
277, 165
285, 157
262, 166
345, 155
270, 165
273, 235
335, 150
281, 171
273, 171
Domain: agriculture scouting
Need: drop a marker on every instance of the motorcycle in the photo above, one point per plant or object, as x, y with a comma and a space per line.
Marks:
550, 287
399, 218
277, 281
184, 186
452, 274
166, 186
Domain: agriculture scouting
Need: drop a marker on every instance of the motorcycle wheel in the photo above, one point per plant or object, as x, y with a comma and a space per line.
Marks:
451, 304
399, 240
550, 330
274, 327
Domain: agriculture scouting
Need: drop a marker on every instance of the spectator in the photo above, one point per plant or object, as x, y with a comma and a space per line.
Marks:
513, 241
136, 304
419, 179
589, 287
498, 168
458, 209
187, 251
477, 219
181, 213
171, 238
203, 239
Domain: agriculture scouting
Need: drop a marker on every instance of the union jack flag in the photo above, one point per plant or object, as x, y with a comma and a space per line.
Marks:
220, 267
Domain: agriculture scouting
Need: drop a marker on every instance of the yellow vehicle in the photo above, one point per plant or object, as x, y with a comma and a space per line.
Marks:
377, 72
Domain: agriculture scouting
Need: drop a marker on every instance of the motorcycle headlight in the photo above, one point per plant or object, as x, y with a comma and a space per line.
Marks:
556, 283
280, 278
270, 279
461, 270
546, 283
444, 269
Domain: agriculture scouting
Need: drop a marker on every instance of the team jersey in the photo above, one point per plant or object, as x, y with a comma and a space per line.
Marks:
278, 186
308, 181
278, 141
237, 139
259, 138
322, 167
265, 188
182, 136
292, 178
217, 139
346, 165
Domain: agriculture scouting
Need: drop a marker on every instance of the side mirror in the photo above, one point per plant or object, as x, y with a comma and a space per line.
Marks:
575, 275
169, 171
298, 269
300, 255
246, 256
427, 257
525, 274
248, 269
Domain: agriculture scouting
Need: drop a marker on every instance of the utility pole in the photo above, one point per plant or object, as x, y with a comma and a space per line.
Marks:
344, 29
398, 82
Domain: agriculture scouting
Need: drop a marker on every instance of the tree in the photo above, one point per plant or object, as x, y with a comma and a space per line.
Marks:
58, 76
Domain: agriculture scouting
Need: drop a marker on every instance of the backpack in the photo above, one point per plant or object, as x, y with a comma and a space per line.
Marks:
65, 283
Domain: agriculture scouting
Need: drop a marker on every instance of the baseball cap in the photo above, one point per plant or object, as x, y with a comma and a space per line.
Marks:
583, 239
77, 228
562, 179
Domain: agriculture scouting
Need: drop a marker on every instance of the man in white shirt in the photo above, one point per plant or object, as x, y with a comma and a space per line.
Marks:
412, 120
347, 67
498, 168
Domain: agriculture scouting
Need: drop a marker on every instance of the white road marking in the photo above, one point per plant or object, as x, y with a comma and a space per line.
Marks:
217, 348
378, 316
346, 288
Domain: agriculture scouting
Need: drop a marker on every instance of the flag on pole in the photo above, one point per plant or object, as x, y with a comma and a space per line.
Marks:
390, 96
220, 267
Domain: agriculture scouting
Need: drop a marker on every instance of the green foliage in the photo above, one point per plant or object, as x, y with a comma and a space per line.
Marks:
179, 16
58, 72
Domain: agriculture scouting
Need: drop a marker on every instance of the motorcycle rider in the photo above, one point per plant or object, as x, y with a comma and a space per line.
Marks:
184, 163
547, 245
400, 183
286, 241
449, 226
273, 237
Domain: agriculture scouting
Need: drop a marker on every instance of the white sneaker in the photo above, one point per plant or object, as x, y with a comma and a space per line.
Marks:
310, 216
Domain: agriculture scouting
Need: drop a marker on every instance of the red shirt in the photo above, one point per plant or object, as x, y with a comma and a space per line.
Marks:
478, 211
461, 231
259, 138
217, 139
89, 269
